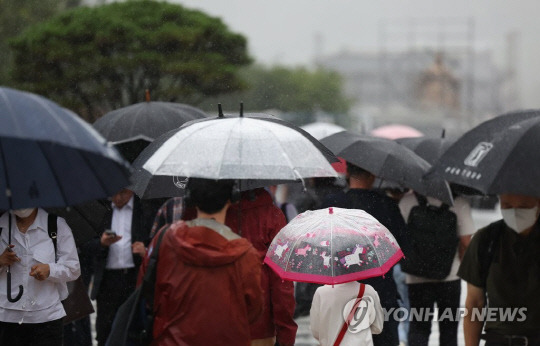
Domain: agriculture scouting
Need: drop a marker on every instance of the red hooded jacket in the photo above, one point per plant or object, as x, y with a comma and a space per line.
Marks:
207, 288
260, 220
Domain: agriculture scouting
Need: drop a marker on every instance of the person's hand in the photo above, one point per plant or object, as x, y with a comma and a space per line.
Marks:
9, 257
107, 240
138, 248
40, 271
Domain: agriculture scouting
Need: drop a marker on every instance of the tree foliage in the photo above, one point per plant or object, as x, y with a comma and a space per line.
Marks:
290, 90
96, 59
16, 15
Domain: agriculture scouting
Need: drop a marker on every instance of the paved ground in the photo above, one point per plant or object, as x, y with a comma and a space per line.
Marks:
481, 218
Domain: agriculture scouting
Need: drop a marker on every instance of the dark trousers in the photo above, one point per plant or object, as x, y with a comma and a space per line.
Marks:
389, 335
78, 333
116, 287
32, 334
425, 295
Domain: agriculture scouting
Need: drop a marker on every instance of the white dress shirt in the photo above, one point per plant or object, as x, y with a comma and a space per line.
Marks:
330, 306
120, 253
41, 300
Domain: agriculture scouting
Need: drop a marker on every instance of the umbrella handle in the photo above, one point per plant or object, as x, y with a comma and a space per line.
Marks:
21, 290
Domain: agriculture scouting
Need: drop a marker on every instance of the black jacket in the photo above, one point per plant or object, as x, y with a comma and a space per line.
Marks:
140, 229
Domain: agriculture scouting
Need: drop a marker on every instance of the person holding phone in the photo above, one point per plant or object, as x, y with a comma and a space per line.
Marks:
118, 252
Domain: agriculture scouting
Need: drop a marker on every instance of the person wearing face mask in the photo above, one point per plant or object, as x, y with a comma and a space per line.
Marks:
36, 318
502, 269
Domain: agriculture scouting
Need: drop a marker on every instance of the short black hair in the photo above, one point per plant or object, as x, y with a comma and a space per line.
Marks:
356, 171
209, 196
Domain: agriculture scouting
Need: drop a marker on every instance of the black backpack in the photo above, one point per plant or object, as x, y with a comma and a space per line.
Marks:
433, 240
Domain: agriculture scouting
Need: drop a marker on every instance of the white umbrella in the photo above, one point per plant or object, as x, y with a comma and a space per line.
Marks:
239, 148
321, 129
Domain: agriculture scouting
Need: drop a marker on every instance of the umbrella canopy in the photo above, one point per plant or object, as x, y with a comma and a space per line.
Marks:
498, 156
320, 129
145, 120
257, 150
333, 246
388, 160
395, 131
49, 157
428, 148
85, 219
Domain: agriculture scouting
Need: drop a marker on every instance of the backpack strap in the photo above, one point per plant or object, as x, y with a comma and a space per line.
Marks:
422, 200
284, 210
52, 229
149, 280
343, 330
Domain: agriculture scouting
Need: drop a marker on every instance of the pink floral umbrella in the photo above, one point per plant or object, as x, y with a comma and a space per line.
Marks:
333, 246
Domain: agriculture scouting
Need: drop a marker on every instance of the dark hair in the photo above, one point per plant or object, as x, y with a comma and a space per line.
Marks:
356, 171
210, 196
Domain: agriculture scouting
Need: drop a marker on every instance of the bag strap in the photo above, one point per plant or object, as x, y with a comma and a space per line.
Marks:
52, 229
343, 330
149, 280
422, 200
284, 210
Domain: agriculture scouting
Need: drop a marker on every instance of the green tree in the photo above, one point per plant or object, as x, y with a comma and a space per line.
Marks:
96, 59
16, 15
298, 91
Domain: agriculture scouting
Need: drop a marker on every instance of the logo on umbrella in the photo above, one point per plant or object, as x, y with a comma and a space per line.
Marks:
179, 183
478, 154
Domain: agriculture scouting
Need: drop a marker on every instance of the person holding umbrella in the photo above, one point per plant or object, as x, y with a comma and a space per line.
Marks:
42, 262
502, 264
361, 196
208, 282
337, 247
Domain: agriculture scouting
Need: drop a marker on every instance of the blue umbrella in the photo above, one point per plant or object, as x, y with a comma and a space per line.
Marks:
49, 157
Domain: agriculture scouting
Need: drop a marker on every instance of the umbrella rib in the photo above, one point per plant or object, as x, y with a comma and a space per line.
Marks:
295, 172
53, 172
225, 152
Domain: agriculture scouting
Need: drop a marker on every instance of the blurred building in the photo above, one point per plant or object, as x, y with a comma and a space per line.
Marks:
434, 83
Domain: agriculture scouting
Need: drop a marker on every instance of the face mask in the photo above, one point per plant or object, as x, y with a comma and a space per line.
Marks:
519, 219
23, 213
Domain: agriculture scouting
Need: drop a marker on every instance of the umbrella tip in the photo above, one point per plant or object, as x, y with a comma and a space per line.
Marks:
241, 109
331, 210
147, 95
220, 111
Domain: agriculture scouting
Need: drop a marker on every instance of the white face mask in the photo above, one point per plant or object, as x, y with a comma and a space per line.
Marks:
23, 213
519, 219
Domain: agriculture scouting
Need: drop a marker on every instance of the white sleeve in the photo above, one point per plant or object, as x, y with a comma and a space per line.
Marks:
67, 267
465, 221
378, 318
314, 315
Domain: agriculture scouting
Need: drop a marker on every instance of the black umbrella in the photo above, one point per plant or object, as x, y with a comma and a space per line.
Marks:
497, 156
389, 160
428, 148
145, 120
84, 219
133, 127
49, 157
146, 185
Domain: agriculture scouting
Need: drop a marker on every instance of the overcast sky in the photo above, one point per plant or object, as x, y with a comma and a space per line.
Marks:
283, 31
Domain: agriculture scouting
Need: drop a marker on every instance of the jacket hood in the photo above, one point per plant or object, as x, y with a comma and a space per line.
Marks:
253, 199
202, 246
